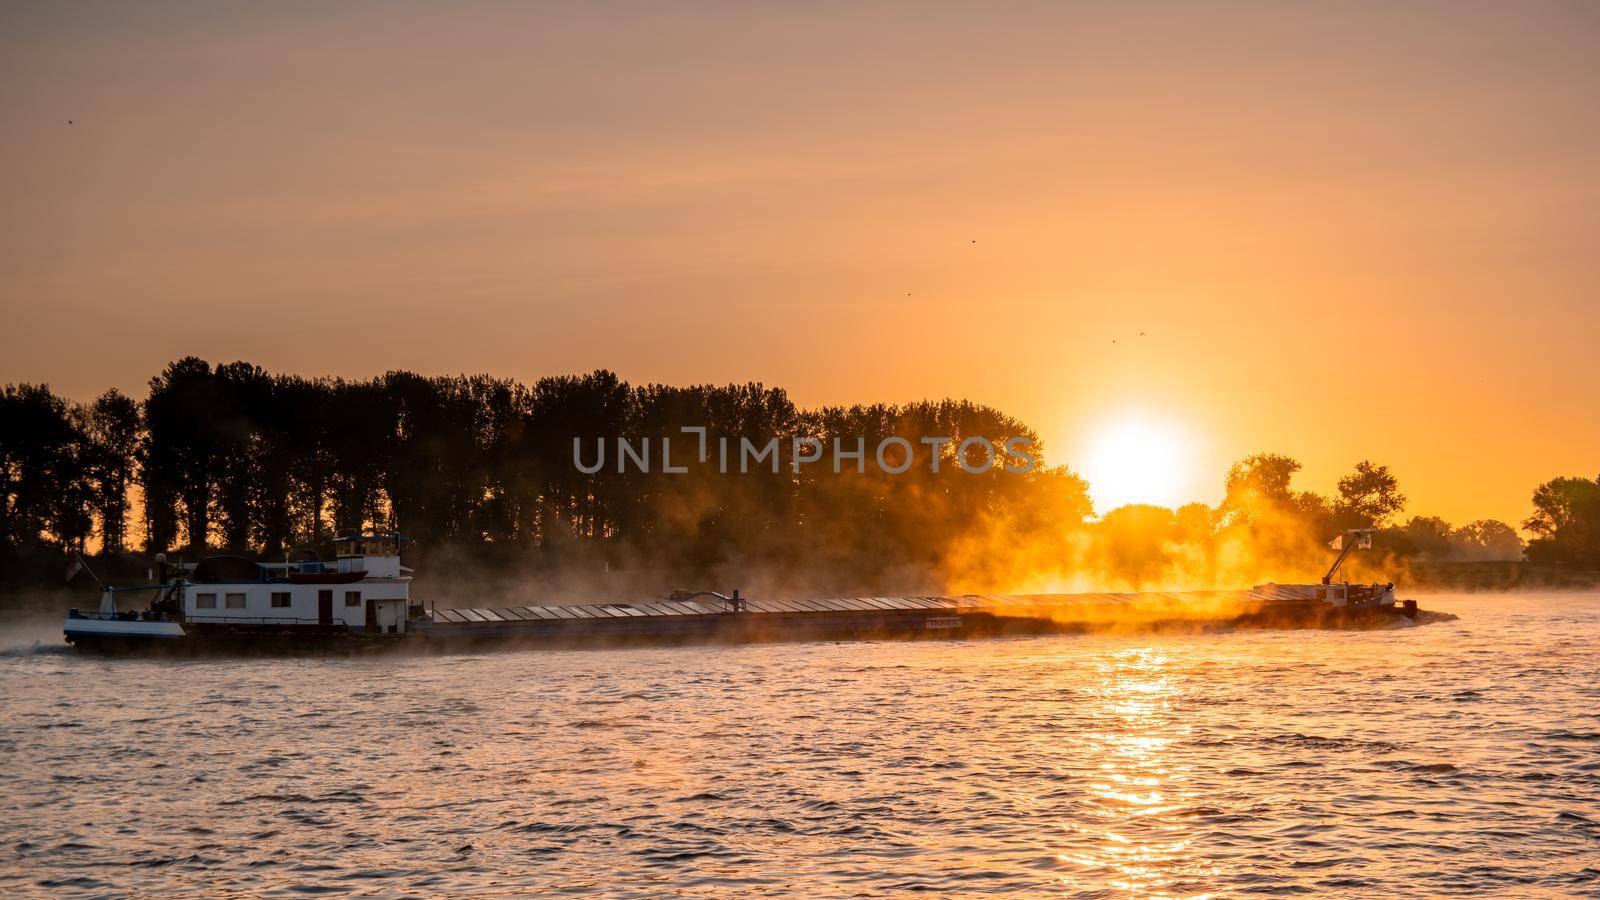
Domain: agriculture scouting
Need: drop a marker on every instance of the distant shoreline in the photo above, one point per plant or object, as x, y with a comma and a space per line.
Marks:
1497, 576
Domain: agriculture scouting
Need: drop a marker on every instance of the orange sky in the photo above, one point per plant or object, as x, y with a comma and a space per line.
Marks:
1348, 230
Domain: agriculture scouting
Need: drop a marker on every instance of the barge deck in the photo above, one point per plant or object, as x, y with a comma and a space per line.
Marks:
893, 616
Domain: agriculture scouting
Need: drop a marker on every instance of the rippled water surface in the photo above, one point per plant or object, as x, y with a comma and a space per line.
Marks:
1449, 758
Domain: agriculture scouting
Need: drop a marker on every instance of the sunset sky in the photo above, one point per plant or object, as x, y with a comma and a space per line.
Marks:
1344, 231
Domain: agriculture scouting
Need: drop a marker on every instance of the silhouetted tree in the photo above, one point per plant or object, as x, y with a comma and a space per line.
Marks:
1486, 539
1368, 497
1565, 523
1139, 541
44, 486
111, 427
1259, 485
180, 455
1424, 537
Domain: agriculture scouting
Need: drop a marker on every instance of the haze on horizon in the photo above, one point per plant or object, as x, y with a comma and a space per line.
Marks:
1337, 232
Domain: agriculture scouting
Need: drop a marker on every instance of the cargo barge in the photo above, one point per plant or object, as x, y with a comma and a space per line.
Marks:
361, 601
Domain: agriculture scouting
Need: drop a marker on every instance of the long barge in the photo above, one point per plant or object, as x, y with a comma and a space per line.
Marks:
361, 600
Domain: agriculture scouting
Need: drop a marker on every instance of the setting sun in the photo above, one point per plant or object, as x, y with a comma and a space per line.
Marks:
1136, 459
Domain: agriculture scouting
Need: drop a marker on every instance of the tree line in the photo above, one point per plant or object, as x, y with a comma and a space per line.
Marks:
479, 470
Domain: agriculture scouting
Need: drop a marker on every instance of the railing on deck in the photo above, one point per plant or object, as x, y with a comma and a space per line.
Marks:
144, 616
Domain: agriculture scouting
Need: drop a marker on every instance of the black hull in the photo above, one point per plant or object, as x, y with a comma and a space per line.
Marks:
236, 640
1321, 616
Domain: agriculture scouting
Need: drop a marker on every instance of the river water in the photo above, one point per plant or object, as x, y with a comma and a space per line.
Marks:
1443, 759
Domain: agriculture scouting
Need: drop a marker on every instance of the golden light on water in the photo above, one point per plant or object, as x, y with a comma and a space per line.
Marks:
1137, 782
1139, 458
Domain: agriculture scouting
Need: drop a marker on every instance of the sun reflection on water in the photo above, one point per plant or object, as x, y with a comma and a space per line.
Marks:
1130, 839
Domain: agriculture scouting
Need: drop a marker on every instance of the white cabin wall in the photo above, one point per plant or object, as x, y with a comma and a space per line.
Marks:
395, 592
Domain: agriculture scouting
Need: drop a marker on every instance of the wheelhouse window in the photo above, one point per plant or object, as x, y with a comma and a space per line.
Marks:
280, 599
352, 598
205, 601
235, 601
367, 546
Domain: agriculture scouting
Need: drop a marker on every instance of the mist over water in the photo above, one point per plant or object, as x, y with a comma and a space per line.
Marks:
1443, 759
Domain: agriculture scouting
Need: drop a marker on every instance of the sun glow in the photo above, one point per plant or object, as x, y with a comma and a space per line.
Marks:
1136, 459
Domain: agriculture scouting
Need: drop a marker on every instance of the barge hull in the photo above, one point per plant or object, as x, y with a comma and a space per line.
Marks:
698, 621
